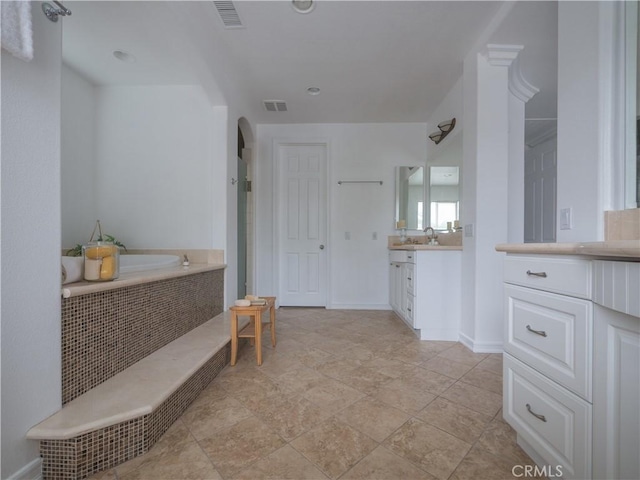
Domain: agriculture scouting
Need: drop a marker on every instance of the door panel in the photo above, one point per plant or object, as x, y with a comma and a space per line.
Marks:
302, 225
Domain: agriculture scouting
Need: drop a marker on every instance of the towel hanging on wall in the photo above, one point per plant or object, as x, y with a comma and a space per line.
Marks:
17, 31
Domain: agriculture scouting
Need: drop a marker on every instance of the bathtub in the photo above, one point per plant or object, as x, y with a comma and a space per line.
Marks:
140, 263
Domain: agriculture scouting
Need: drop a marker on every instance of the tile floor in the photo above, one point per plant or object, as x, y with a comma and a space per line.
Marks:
344, 395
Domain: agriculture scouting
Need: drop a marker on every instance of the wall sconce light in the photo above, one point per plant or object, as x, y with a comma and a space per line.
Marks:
445, 128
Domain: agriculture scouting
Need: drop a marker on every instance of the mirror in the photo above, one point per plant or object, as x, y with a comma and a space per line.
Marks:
444, 196
410, 197
632, 106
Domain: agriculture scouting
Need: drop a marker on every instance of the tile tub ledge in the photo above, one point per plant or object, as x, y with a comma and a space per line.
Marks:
627, 249
138, 278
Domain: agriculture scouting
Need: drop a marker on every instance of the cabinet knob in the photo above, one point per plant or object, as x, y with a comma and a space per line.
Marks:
321, 247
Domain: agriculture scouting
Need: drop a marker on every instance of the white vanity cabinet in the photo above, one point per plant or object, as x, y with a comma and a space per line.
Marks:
424, 290
616, 381
572, 363
548, 359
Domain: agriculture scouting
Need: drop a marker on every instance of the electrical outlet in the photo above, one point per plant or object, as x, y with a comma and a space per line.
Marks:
566, 222
347, 235
374, 236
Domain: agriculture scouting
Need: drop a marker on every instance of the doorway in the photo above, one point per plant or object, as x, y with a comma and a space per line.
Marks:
302, 224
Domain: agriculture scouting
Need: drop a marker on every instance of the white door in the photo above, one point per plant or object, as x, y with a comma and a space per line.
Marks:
302, 225
540, 193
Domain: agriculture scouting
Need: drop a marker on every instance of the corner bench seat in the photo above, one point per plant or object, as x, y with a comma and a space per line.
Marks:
135, 394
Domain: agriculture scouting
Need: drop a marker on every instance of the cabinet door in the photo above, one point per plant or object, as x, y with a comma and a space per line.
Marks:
616, 401
394, 290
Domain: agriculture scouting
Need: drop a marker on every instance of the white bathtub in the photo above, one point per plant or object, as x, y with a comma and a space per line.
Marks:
140, 263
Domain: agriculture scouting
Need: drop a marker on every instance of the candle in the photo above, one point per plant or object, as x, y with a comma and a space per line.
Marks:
401, 224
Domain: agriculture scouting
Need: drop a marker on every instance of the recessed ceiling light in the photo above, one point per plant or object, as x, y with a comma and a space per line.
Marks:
124, 56
303, 6
313, 91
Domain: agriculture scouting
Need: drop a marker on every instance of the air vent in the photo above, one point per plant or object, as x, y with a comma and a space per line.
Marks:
228, 14
275, 105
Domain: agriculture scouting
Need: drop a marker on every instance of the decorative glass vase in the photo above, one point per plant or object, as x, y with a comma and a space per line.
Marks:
101, 261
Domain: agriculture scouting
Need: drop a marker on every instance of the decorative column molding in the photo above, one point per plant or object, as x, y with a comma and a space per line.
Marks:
508, 56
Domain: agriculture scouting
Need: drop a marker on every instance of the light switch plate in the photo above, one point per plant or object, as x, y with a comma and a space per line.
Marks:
565, 219
468, 230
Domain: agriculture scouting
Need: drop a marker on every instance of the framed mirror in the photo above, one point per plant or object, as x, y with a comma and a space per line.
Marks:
410, 197
444, 196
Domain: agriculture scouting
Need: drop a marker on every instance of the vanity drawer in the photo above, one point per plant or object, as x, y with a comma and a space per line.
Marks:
411, 284
410, 308
403, 256
552, 334
556, 423
567, 276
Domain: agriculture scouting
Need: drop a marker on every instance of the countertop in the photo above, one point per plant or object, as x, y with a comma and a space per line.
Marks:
137, 278
422, 246
627, 249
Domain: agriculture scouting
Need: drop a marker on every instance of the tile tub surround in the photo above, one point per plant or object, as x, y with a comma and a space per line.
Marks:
102, 448
105, 332
348, 395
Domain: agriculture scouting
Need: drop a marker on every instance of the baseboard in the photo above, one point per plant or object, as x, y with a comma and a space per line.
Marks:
480, 347
358, 306
31, 471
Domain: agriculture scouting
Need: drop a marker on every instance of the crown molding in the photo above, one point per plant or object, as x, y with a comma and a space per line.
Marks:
508, 56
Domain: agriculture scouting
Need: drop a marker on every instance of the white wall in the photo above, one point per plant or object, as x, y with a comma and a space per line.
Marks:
155, 167
30, 240
580, 131
358, 267
78, 127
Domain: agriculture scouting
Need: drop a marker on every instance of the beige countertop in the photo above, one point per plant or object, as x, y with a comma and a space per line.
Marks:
421, 246
137, 278
627, 249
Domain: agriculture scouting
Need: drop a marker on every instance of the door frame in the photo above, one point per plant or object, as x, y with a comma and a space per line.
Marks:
275, 199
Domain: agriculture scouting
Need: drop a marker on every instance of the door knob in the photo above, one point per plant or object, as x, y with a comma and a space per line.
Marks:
321, 247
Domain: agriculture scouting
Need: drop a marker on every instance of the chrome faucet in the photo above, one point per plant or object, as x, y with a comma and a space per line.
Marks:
433, 238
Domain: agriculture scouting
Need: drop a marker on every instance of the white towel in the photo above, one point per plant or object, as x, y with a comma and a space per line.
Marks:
16, 29
73, 268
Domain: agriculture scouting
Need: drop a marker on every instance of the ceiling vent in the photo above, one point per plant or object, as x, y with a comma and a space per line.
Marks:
275, 105
228, 14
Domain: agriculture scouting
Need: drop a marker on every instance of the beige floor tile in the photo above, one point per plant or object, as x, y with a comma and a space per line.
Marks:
236, 447
334, 447
290, 416
283, 464
484, 379
381, 464
474, 398
364, 379
493, 363
455, 419
427, 447
205, 417
445, 366
405, 395
373, 418
431, 381
332, 395
499, 439
480, 464
181, 471
300, 379
104, 475
460, 353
